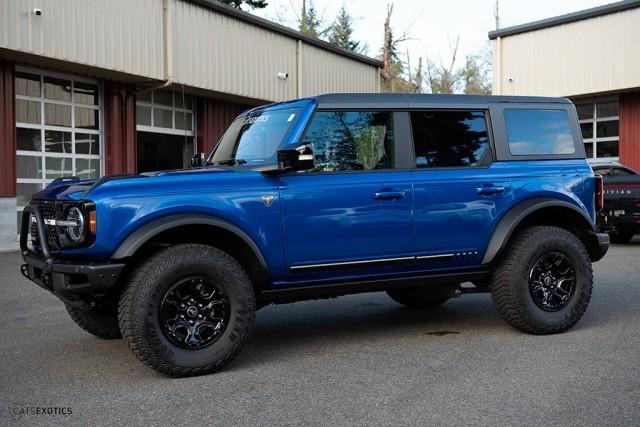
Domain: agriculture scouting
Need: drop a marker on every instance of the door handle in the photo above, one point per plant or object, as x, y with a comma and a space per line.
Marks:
388, 195
489, 189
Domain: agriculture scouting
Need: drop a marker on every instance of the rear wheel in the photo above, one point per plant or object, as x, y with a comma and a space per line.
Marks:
422, 297
102, 325
543, 283
621, 236
187, 310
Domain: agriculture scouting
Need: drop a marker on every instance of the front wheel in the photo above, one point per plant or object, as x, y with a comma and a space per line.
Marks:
543, 283
187, 310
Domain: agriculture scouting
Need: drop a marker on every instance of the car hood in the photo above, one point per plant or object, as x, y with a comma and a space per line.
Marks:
73, 189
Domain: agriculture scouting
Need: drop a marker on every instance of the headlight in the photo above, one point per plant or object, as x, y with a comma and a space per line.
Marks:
74, 225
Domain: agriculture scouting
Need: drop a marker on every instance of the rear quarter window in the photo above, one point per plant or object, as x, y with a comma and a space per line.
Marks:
538, 132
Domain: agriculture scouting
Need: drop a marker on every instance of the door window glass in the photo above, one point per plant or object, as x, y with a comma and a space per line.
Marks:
351, 140
449, 138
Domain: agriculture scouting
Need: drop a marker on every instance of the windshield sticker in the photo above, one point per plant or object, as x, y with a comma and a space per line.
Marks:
251, 120
291, 117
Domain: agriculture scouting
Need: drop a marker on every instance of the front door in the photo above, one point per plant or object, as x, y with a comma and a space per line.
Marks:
460, 194
352, 214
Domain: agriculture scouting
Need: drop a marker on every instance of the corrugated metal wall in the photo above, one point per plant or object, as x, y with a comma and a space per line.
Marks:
208, 49
120, 35
324, 71
630, 130
591, 56
224, 54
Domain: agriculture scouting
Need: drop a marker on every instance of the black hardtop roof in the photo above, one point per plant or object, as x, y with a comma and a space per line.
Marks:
400, 100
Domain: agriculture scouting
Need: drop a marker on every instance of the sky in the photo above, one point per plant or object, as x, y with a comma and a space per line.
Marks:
432, 25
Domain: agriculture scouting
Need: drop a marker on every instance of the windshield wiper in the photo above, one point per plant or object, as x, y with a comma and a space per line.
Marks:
235, 162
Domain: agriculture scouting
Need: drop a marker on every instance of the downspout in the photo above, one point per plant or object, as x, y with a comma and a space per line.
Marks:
167, 42
498, 60
299, 69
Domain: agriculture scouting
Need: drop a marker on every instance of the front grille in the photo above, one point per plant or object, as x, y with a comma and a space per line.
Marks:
49, 210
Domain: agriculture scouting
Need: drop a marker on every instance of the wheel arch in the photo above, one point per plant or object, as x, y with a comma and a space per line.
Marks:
196, 228
542, 211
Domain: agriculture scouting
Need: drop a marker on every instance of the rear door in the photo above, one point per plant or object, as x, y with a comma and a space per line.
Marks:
460, 193
351, 214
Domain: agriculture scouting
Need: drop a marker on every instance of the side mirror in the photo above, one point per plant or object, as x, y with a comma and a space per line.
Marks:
198, 160
299, 158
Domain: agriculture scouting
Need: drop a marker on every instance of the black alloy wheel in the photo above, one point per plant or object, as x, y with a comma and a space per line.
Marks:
194, 313
552, 281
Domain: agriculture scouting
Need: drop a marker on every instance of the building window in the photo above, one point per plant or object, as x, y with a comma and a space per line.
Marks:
165, 125
599, 126
58, 130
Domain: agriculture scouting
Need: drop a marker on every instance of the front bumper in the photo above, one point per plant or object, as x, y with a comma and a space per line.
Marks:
68, 280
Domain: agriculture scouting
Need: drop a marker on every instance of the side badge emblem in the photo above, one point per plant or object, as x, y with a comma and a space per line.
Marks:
267, 200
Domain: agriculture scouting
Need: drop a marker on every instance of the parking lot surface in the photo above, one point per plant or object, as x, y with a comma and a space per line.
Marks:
359, 359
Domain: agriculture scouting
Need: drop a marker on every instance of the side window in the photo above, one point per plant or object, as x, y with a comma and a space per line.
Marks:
449, 138
351, 140
538, 132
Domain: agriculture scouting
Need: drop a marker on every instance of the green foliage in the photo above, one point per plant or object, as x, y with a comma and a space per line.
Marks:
441, 79
474, 76
253, 4
309, 22
340, 33
370, 146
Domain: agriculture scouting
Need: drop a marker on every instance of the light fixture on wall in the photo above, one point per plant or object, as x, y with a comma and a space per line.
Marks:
283, 75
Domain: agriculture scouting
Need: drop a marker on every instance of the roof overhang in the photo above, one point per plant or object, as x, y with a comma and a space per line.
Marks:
565, 19
224, 9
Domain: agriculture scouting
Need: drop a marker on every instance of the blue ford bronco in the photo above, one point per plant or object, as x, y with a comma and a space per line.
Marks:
426, 197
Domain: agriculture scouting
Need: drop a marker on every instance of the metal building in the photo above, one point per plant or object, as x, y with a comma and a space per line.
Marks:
92, 87
592, 57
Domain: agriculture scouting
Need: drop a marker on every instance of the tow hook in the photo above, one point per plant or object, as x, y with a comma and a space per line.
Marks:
24, 270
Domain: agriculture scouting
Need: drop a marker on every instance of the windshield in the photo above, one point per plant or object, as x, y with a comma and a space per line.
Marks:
254, 139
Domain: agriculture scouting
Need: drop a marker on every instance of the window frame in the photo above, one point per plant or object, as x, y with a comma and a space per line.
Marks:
594, 120
399, 134
152, 105
484, 163
503, 152
42, 154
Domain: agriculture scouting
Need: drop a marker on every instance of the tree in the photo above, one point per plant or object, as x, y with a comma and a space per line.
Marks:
253, 4
340, 33
443, 79
391, 75
474, 76
309, 22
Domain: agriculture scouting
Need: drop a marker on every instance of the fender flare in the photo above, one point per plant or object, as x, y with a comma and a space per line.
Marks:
139, 237
516, 215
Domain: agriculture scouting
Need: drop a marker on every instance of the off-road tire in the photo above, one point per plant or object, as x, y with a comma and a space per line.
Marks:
621, 236
101, 325
140, 303
421, 297
510, 280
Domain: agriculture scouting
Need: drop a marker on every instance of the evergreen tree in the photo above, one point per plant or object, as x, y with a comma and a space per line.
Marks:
309, 22
253, 4
340, 33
